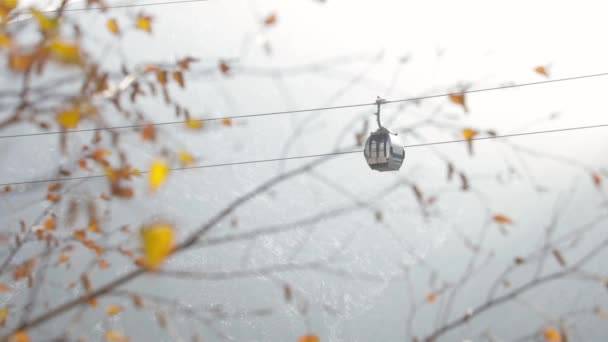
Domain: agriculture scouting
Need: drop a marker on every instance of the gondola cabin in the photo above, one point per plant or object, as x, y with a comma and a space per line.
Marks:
383, 151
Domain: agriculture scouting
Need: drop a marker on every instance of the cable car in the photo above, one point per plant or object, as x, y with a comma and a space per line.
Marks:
383, 149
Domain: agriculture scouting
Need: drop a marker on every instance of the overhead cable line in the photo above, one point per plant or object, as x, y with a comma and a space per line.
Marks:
258, 161
410, 99
146, 4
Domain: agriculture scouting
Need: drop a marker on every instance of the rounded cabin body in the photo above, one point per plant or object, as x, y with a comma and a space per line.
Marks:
383, 151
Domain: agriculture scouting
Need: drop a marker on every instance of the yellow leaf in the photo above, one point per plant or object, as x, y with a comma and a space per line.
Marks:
469, 133
115, 336
194, 124
158, 174
20, 336
45, 23
69, 118
5, 40
185, 158
112, 25
157, 241
541, 70
136, 172
144, 23
502, 219
3, 316
65, 52
459, 100
552, 335
309, 338
114, 310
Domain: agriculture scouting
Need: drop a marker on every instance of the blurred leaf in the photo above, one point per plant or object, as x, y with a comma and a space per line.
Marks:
104, 265
464, 182
63, 258
227, 122
114, 336
66, 52
502, 219
194, 124
144, 23
4, 288
3, 316
179, 78
161, 77
185, 158
21, 62
114, 310
50, 223
6, 6
552, 335
148, 133
184, 63
271, 20
225, 68
157, 242
468, 134
69, 118
46, 24
158, 174
20, 336
597, 180
431, 298
309, 338
112, 25
541, 70
53, 198
5, 40
459, 99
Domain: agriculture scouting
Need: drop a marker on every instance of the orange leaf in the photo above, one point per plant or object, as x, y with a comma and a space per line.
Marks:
552, 335
431, 298
114, 336
541, 70
158, 174
224, 68
20, 62
161, 77
50, 224
20, 336
80, 235
4, 288
309, 338
459, 100
54, 187
157, 241
64, 258
53, 198
502, 219
83, 164
184, 63
597, 180
94, 227
144, 23
148, 132
92, 302
270, 20
179, 78
112, 25
114, 310
104, 265
227, 122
